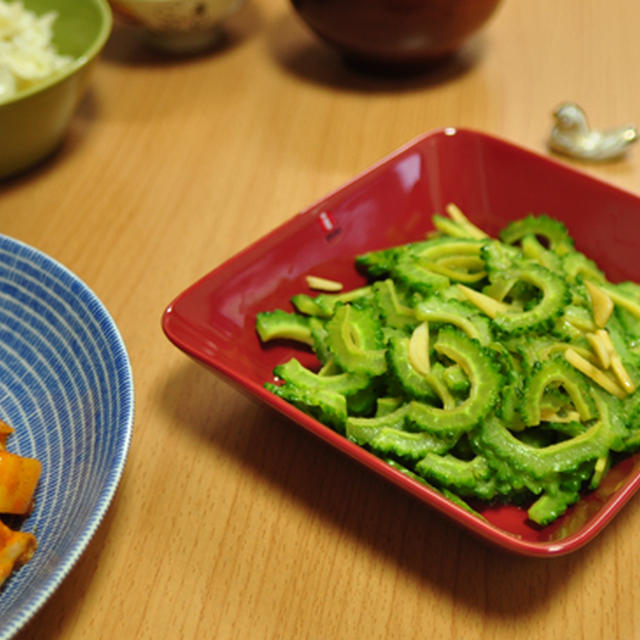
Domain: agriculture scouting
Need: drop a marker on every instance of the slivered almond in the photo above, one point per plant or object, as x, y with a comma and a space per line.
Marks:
601, 464
630, 305
599, 469
489, 306
599, 347
601, 303
454, 212
616, 364
419, 349
603, 334
622, 374
591, 371
323, 284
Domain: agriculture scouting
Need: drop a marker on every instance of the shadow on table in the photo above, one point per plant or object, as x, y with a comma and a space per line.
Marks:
361, 505
303, 55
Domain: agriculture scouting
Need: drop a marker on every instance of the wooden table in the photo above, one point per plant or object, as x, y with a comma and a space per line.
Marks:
230, 522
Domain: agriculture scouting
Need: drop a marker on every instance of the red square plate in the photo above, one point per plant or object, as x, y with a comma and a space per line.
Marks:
493, 182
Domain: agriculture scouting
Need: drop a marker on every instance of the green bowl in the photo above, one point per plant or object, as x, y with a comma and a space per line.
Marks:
34, 121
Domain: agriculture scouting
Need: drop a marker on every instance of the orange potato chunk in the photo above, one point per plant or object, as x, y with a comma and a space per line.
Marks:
18, 479
16, 549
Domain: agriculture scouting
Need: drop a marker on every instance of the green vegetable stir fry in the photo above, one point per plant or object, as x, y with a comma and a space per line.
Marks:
494, 369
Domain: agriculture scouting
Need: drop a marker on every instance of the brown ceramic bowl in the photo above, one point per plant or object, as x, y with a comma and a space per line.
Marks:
395, 31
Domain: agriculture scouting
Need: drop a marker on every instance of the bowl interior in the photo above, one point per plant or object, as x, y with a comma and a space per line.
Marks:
80, 30
493, 182
81, 24
66, 388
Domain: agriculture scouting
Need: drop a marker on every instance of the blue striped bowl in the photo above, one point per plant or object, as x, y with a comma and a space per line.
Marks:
67, 390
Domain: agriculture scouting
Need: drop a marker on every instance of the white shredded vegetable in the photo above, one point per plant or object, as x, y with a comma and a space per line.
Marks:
27, 54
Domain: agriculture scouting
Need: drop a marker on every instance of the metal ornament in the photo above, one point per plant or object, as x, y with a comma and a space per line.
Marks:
572, 136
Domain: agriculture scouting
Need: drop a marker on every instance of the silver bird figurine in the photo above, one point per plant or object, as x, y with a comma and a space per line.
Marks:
572, 136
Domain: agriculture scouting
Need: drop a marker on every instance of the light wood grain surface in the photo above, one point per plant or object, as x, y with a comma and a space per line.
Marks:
229, 521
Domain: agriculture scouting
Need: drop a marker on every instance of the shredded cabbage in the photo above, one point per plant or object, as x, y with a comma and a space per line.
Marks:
27, 54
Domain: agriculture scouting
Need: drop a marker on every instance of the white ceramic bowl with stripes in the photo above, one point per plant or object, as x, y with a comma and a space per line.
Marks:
67, 390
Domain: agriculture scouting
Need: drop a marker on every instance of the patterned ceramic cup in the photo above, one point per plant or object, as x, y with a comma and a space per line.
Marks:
179, 26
